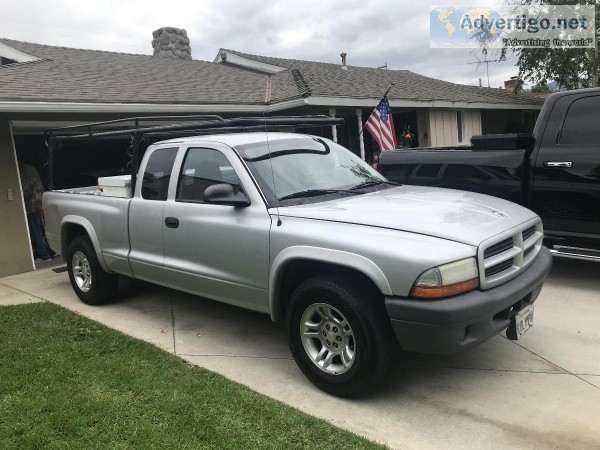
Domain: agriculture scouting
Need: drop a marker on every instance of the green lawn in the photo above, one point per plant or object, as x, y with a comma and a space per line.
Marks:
67, 382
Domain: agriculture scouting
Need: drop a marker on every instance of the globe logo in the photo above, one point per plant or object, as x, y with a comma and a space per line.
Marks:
462, 26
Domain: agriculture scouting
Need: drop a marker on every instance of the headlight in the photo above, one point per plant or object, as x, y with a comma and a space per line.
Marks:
446, 280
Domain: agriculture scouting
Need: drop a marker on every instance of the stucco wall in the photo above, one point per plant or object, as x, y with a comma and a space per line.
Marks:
15, 249
443, 128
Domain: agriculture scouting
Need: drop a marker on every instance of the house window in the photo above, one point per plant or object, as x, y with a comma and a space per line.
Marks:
460, 126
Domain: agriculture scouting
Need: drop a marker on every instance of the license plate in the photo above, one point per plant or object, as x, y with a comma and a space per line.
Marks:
520, 323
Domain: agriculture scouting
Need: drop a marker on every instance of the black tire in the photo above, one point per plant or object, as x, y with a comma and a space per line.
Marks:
373, 341
102, 286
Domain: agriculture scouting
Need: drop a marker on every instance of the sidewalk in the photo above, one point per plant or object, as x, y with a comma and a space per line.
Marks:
542, 392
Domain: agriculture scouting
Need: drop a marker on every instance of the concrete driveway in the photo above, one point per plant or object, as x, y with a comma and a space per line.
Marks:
542, 392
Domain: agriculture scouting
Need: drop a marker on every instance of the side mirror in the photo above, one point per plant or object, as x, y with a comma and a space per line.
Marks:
222, 194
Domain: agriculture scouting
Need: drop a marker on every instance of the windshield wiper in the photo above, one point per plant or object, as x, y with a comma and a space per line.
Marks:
316, 192
367, 184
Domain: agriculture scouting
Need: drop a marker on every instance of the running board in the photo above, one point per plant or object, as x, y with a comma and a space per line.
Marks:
576, 253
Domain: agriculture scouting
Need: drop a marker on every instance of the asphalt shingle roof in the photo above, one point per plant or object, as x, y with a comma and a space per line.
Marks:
73, 75
330, 80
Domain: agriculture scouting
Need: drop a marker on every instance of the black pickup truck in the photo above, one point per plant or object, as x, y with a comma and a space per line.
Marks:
555, 171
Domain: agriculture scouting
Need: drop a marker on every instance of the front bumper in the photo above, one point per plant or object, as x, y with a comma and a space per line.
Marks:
454, 324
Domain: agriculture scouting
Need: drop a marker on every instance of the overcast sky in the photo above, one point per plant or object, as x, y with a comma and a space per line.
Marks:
372, 33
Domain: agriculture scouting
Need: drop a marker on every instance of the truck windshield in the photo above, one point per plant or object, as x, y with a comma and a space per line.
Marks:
306, 165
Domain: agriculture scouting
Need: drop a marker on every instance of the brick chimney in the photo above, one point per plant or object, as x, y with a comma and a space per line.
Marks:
511, 85
343, 55
170, 42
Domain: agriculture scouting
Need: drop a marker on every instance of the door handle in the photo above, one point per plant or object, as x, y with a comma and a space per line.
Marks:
558, 163
172, 222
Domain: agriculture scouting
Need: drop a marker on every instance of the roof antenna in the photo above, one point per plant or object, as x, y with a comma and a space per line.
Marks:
485, 61
271, 161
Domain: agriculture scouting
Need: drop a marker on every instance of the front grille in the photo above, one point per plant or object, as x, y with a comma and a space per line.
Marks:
528, 233
501, 267
498, 248
503, 257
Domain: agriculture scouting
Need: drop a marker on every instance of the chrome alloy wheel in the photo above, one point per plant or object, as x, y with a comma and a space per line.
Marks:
81, 271
328, 338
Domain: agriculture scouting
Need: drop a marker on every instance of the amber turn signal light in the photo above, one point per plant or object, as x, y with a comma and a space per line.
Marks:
444, 291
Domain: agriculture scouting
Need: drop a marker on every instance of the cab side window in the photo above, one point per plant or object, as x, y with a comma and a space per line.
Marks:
202, 168
580, 126
155, 183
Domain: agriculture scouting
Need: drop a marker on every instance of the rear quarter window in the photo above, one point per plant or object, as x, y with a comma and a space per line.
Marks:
155, 184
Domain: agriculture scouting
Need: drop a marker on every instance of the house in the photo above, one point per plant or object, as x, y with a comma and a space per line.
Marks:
42, 87
439, 112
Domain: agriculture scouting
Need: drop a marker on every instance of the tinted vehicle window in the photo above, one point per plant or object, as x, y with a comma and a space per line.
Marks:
155, 184
204, 167
581, 124
465, 171
428, 170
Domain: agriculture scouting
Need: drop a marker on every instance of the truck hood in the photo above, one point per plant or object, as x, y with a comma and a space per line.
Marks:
459, 216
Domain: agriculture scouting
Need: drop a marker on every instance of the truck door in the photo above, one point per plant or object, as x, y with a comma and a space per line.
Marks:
566, 173
217, 251
146, 216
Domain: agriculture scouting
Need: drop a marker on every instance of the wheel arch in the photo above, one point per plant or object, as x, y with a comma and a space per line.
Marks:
294, 264
74, 226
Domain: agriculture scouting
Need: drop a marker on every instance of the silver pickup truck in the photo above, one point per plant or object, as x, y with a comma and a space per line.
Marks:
300, 228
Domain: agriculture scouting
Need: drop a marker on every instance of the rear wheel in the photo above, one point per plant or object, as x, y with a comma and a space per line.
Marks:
90, 282
339, 334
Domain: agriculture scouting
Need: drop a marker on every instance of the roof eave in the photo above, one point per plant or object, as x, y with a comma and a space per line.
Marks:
408, 103
73, 107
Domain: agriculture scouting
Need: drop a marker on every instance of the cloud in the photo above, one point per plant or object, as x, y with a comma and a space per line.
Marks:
395, 32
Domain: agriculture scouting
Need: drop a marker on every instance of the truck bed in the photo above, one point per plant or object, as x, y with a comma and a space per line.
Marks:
105, 219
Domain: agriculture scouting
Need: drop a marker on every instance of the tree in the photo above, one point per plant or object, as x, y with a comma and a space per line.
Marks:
571, 68
542, 88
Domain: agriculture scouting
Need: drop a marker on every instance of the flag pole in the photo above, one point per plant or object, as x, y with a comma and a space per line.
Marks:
388, 89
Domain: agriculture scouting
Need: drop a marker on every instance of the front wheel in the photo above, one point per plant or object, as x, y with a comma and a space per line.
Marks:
339, 334
90, 282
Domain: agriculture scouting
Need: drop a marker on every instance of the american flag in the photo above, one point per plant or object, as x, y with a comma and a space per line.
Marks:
381, 126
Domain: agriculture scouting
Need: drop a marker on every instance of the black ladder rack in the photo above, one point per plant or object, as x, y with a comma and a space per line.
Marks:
137, 130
